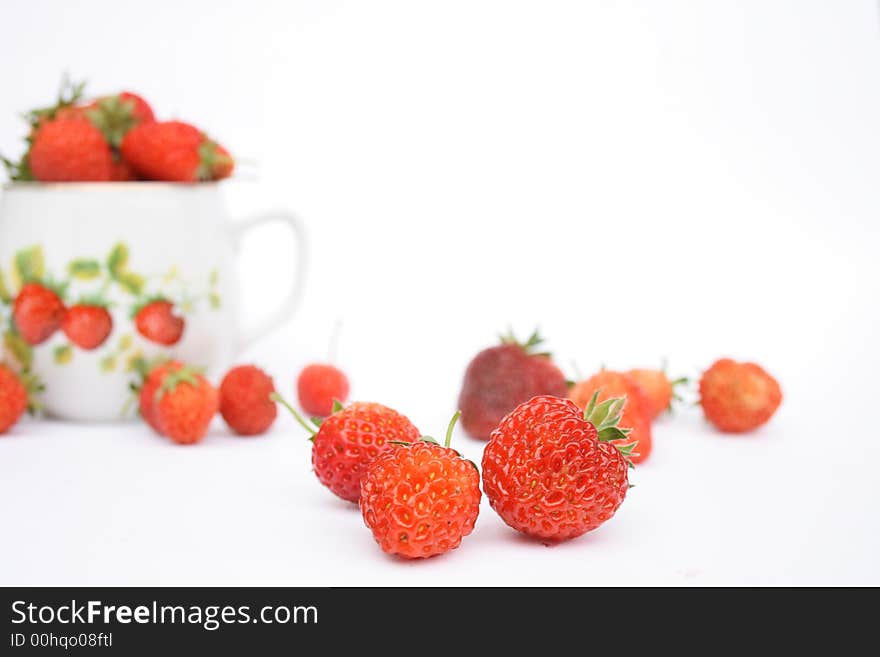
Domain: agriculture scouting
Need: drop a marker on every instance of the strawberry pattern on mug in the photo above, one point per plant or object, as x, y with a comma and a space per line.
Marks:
74, 312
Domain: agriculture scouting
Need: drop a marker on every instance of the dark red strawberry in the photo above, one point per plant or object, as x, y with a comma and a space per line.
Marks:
500, 378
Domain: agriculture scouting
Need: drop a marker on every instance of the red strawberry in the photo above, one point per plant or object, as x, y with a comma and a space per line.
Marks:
37, 313
318, 386
421, 499
87, 325
70, 149
636, 412
150, 388
345, 443
175, 151
738, 397
245, 402
184, 405
550, 470
13, 398
501, 377
658, 389
157, 322
115, 115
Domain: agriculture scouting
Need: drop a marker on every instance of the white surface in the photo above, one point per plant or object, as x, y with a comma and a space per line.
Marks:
643, 180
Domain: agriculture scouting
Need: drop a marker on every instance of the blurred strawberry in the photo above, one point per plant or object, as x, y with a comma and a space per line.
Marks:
87, 325
176, 152
37, 312
636, 412
72, 149
156, 321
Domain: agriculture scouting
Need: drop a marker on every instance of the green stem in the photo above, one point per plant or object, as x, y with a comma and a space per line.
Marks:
299, 418
451, 427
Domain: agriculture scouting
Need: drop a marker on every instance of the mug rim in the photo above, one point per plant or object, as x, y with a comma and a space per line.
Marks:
108, 185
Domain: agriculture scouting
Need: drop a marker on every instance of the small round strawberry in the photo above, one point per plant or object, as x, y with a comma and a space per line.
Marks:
499, 378
157, 322
87, 325
555, 472
318, 386
421, 498
344, 444
738, 397
636, 412
13, 398
245, 402
176, 152
70, 149
37, 312
184, 405
658, 388
149, 388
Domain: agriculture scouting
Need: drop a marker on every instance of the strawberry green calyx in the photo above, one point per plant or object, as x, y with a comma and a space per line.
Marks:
113, 116
529, 345
675, 384
69, 94
605, 417
187, 374
211, 158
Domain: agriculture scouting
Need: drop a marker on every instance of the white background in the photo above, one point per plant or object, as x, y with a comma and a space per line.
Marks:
643, 180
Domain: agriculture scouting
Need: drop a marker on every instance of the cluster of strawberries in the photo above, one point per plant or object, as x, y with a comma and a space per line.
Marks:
178, 402
555, 465
39, 311
556, 462
114, 138
735, 397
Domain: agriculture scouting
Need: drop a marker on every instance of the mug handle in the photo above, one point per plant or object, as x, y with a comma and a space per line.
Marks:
294, 294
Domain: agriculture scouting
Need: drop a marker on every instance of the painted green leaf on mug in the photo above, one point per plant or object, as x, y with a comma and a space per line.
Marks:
117, 261
133, 283
108, 363
20, 350
125, 341
84, 269
5, 296
30, 264
63, 354
214, 300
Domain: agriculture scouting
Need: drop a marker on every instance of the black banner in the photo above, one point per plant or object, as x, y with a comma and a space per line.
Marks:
149, 620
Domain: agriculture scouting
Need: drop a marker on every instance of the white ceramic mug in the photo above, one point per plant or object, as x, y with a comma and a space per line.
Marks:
129, 244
